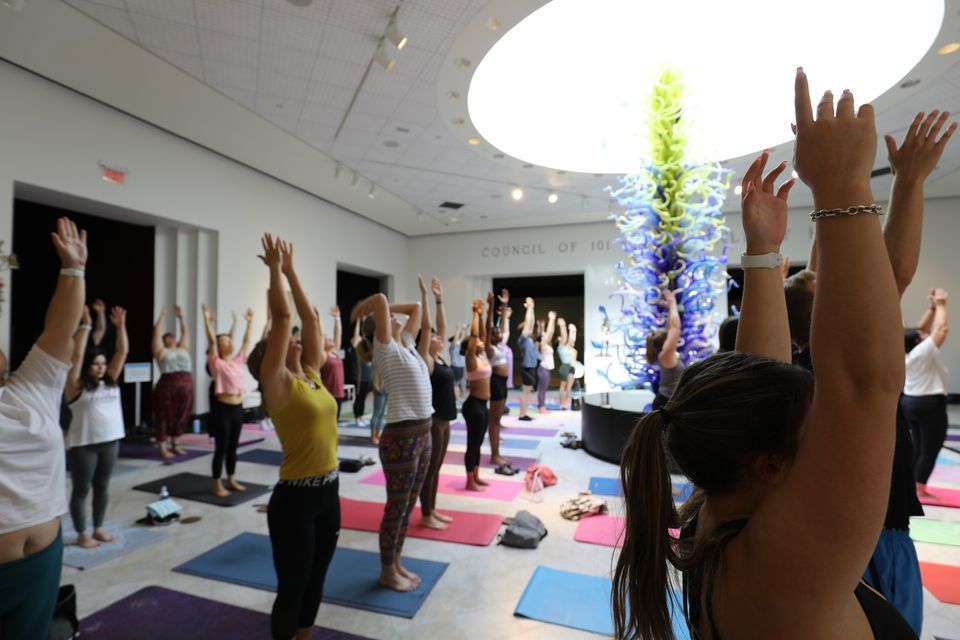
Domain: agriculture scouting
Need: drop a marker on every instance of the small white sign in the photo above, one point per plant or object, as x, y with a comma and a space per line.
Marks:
138, 372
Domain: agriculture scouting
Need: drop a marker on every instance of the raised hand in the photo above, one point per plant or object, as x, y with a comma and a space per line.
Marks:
528, 303
271, 251
208, 315
562, 322
921, 148
490, 300
335, 311
118, 316
437, 287
477, 305
504, 296
99, 306
248, 315
763, 212
70, 244
286, 255
423, 285
177, 311
940, 296
551, 315
163, 312
834, 154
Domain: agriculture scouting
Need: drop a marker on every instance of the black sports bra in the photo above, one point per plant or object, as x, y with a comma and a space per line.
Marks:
884, 619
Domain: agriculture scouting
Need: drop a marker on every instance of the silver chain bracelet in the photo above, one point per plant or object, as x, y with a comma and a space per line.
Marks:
849, 211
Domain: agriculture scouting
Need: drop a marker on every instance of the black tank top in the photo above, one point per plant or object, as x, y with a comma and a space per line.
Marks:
884, 619
444, 398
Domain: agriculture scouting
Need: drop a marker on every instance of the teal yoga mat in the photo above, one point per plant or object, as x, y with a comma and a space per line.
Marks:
351, 579
935, 531
578, 601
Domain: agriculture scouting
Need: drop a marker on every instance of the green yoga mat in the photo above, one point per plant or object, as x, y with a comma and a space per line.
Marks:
935, 531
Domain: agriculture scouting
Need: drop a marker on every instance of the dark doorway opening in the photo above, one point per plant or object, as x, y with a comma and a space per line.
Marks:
119, 271
735, 291
351, 289
563, 294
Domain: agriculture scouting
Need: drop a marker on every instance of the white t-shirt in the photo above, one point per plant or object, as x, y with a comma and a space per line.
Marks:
405, 379
97, 417
33, 485
926, 375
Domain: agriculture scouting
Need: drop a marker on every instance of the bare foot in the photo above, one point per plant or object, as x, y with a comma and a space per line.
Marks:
180, 451
218, 489
233, 485
473, 486
103, 536
390, 579
543, 410
406, 573
164, 453
481, 481
432, 522
375, 438
442, 517
85, 541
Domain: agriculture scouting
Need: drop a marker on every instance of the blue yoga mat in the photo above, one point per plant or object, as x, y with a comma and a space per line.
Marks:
578, 601
611, 487
351, 579
505, 443
533, 405
946, 460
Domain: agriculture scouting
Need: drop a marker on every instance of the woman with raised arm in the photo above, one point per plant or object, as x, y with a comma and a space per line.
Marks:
96, 425
500, 371
364, 377
571, 375
474, 409
173, 395
662, 350
771, 539
431, 349
547, 364
33, 482
457, 361
226, 412
304, 511
566, 364
529, 357
925, 390
405, 441
332, 370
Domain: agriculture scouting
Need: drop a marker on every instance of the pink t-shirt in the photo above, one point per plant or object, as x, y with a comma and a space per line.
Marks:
227, 376
332, 375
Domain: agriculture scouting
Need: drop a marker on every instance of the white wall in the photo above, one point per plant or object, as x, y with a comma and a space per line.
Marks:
54, 139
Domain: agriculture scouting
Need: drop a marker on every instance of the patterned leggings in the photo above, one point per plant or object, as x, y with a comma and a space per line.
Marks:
405, 455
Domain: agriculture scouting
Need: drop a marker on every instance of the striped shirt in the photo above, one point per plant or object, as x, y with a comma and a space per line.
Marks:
405, 378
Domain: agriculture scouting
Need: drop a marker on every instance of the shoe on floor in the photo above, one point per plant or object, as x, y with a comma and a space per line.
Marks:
525, 418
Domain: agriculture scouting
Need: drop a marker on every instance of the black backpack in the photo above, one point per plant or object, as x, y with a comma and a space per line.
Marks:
65, 625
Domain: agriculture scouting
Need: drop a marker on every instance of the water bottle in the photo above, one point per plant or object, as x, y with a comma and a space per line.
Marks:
164, 494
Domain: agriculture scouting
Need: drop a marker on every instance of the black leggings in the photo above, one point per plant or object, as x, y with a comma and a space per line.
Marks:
304, 523
927, 417
227, 425
474, 412
364, 387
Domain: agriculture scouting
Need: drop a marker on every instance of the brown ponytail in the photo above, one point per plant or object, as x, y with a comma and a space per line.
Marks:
641, 578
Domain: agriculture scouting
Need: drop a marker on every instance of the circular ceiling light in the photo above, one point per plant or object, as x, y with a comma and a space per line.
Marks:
949, 48
584, 69
552, 198
473, 141
517, 193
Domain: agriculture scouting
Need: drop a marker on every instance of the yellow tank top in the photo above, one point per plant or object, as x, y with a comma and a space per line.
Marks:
307, 427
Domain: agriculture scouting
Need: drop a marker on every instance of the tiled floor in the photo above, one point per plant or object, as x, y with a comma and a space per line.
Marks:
477, 594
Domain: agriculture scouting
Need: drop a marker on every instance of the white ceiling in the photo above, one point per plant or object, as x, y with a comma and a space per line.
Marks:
299, 67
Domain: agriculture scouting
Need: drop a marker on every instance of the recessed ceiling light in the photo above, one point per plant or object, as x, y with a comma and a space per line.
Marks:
738, 189
910, 83
483, 217
495, 196
473, 141
552, 198
949, 48
458, 121
561, 172
527, 165
571, 49
403, 130
498, 156
454, 219
453, 95
494, 24
463, 63
517, 193
598, 175
392, 144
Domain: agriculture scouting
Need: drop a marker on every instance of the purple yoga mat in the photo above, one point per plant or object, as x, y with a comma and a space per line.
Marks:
146, 451
518, 463
156, 613
514, 431
955, 438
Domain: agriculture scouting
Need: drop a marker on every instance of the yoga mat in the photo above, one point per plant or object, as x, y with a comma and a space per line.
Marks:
498, 490
505, 443
579, 601
155, 613
128, 538
146, 451
467, 528
518, 463
261, 456
943, 581
611, 487
533, 406
935, 531
357, 441
605, 530
193, 486
514, 431
204, 441
946, 460
944, 497
351, 579
945, 473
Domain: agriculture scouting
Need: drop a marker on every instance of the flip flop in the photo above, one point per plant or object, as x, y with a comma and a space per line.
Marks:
506, 470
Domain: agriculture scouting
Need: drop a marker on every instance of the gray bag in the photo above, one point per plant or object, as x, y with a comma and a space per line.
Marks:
524, 531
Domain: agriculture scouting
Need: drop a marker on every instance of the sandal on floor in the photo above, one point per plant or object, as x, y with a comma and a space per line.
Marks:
506, 470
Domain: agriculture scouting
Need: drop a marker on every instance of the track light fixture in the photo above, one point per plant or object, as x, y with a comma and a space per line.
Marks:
373, 191
393, 34
383, 58
355, 181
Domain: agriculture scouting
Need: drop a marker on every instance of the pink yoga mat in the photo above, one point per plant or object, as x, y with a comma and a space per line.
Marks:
944, 497
514, 431
498, 489
946, 473
517, 462
605, 530
467, 528
942, 580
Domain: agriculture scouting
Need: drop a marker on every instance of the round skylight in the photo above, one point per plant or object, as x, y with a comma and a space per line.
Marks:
568, 87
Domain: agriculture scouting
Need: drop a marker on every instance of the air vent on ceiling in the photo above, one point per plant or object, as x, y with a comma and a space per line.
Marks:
451, 205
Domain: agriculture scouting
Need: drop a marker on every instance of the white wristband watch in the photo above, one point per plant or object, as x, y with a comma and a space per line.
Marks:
764, 261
